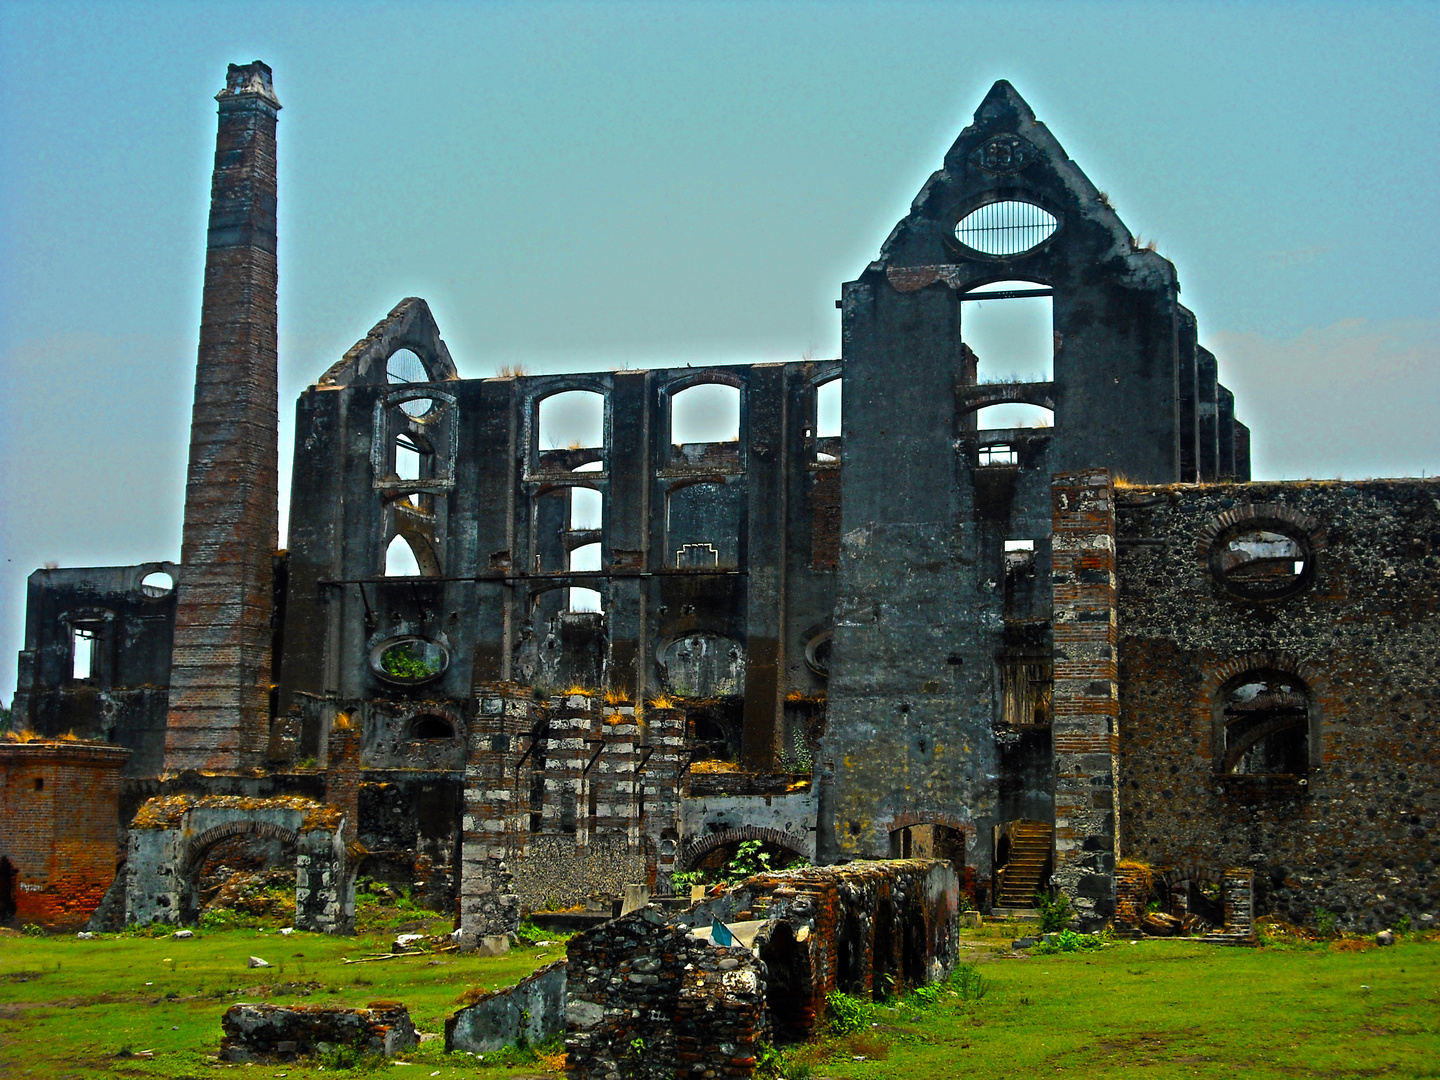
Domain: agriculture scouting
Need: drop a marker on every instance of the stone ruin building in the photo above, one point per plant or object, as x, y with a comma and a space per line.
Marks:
530, 642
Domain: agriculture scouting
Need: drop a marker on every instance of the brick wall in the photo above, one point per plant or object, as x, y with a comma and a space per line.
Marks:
1085, 701
58, 805
220, 674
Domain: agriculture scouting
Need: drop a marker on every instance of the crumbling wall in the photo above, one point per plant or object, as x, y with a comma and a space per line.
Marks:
58, 849
1353, 826
170, 836
527, 1013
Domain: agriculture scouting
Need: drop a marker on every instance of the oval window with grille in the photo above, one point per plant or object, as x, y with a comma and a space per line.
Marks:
405, 367
1006, 228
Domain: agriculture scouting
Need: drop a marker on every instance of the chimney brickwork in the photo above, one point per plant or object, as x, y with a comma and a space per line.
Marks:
220, 675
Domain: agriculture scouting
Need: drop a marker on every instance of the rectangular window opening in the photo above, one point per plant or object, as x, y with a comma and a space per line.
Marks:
1000, 454
83, 641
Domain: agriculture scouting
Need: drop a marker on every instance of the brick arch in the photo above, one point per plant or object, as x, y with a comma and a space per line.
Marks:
1258, 513
697, 849
1271, 660
197, 846
1317, 685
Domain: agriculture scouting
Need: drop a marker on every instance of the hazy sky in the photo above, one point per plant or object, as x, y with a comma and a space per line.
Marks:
588, 185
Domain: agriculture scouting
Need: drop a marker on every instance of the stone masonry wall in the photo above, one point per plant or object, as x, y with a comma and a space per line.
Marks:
1359, 832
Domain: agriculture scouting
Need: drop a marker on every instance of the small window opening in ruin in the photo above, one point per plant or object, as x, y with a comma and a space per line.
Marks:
1012, 336
405, 367
400, 559
157, 584
1267, 725
998, 454
590, 466
1025, 692
1013, 415
828, 405
1261, 563
708, 413
431, 727
584, 560
39, 783
1008, 227
586, 509
572, 420
83, 644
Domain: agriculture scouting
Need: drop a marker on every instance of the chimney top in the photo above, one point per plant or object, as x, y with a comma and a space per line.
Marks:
252, 79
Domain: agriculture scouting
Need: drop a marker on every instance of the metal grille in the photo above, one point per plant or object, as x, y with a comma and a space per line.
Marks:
1006, 228
405, 367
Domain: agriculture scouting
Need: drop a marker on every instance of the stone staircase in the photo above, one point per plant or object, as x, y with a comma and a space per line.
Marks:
1029, 854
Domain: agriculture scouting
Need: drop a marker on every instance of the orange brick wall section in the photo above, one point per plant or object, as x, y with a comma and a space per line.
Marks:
58, 807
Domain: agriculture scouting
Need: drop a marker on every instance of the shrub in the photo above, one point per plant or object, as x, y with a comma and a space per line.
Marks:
845, 1013
1054, 908
1068, 941
1325, 922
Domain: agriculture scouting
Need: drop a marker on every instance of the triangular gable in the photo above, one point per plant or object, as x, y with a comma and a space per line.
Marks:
408, 326
1006, 153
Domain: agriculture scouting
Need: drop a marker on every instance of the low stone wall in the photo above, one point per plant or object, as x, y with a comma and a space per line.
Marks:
648, 1000
531, 1011
651, 998
267, 1033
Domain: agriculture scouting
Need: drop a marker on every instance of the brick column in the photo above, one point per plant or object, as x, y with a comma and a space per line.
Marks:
1237, 891
613, 776
660, 784
1086, 699
566, 753
342, 773
220, 668
490, 831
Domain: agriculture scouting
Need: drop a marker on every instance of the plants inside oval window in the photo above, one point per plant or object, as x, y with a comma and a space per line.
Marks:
410, 660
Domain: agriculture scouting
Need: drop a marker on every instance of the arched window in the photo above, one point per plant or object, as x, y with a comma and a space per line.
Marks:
572, 420
400, 559
1012, 336
1266, 717
707, 413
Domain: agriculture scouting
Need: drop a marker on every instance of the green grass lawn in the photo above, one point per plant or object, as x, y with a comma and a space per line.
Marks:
73, 1008
1160, 1009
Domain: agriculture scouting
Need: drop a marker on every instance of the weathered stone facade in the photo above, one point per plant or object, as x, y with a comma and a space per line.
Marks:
1029, 645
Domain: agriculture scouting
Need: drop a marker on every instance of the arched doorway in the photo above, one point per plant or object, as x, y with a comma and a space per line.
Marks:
789, 985
239, 866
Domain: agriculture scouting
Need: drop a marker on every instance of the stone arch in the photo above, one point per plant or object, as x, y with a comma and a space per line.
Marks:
701, 846
192, 858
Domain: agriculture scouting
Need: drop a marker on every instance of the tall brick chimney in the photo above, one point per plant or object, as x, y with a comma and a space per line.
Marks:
220, 672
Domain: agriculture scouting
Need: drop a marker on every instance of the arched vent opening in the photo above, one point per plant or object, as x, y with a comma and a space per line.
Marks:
431, 727
1010, 227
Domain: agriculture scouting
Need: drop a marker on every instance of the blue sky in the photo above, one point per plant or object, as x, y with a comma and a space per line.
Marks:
587, 185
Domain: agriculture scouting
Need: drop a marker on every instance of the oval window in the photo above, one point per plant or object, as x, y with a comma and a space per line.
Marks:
409, 660
1261, 562
157, 584
1006, 228
405, 367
